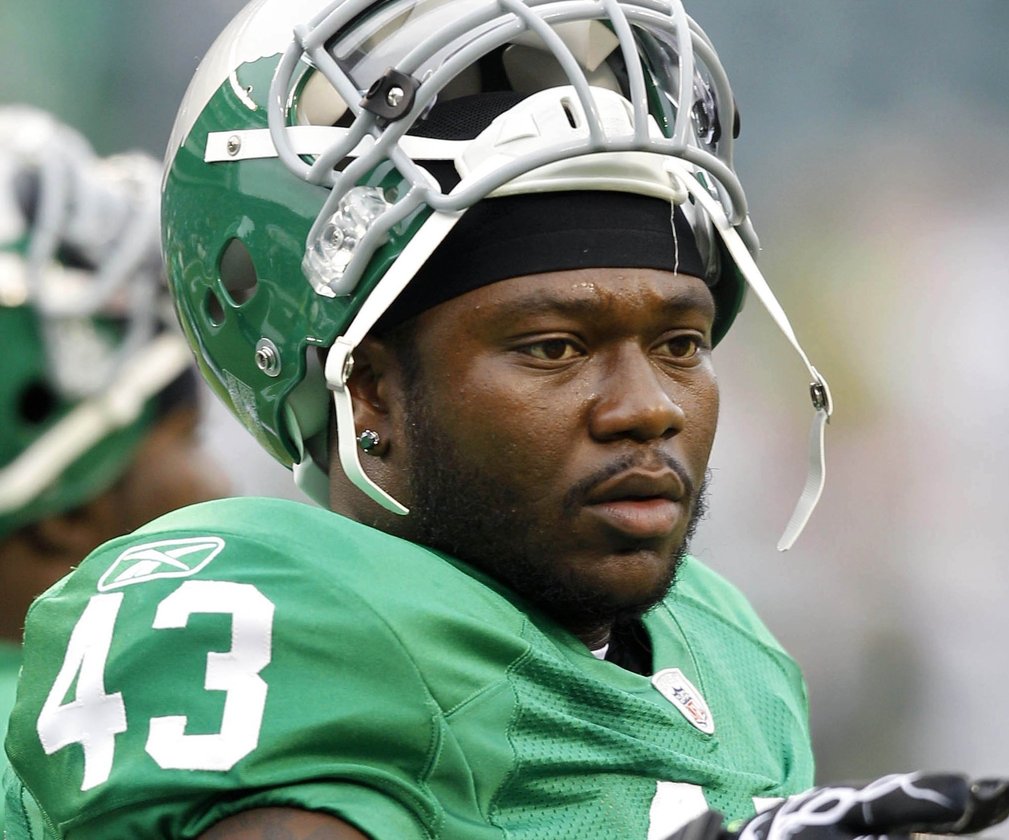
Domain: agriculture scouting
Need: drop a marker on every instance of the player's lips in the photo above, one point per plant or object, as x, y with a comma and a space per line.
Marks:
639, 504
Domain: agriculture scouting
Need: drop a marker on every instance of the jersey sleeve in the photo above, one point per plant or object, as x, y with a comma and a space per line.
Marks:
179, 677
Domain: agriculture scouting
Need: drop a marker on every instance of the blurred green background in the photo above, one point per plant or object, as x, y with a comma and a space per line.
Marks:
875, 155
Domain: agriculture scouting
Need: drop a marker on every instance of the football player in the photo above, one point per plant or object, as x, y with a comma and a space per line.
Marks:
98, 399
461, 264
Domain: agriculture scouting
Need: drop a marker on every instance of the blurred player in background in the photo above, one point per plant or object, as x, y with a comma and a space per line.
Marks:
98, 397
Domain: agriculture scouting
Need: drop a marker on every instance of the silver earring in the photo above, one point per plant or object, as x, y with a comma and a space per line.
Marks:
368, 440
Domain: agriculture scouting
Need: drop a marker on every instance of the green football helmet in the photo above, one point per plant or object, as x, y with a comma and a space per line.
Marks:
83, 310
299, 198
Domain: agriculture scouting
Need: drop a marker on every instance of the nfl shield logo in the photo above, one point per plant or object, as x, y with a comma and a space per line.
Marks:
678, 690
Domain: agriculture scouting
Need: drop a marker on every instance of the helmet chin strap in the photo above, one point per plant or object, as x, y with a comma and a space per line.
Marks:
818, 389
340, 361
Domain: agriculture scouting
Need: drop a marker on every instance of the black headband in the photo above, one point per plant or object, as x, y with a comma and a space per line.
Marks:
512, 236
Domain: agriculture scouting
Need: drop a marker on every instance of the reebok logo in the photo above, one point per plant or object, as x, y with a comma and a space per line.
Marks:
162, 559
678, 690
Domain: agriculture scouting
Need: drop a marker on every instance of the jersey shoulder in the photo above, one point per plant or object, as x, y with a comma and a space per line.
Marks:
296, 553
724, 630
363, 585
755, 690
249, 652
707, 590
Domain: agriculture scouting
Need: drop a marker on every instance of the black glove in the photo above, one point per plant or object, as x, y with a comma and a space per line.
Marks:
894, 806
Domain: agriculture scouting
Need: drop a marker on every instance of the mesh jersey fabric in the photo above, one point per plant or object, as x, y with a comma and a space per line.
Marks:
321, 664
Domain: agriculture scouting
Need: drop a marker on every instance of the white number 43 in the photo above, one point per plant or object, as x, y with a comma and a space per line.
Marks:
94, 717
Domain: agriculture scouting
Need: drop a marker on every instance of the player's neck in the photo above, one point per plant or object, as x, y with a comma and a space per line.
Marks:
594, 637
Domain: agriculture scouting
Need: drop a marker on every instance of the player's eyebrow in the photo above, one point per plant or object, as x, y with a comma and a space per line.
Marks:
691, 298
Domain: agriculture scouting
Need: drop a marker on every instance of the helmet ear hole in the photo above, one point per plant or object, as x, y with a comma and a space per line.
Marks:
36, 403
213, 307
238, 272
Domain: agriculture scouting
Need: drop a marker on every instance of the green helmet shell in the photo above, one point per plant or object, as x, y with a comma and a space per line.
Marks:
251, 190
234, 242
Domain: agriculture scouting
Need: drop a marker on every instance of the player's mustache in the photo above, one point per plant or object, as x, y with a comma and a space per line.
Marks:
575, 496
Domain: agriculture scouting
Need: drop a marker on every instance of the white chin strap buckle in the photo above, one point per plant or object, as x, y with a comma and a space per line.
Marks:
816, 474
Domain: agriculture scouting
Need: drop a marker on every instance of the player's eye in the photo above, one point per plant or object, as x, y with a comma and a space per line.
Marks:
552, 350
684, 347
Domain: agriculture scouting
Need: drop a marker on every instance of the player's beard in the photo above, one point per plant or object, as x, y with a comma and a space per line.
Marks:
489, 524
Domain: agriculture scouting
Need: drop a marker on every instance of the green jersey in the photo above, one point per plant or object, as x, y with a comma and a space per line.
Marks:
249, 652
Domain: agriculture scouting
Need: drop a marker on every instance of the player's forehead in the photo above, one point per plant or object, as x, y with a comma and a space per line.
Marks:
590, 293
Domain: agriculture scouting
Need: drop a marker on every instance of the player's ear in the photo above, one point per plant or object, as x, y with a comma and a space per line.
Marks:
373, 381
